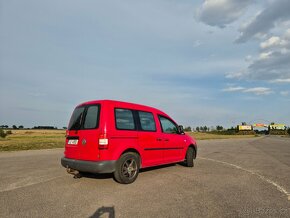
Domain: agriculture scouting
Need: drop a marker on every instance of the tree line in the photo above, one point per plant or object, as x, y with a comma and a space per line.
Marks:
205, 128
22, 127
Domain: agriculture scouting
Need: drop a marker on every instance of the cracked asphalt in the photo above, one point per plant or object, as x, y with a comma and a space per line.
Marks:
231, 178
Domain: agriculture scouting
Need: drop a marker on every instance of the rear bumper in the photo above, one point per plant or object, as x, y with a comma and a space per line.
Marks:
89, 166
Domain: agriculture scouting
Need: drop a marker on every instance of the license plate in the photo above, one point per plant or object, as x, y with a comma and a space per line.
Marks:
73, 141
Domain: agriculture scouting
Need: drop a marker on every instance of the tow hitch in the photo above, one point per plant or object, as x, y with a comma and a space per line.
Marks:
76, 173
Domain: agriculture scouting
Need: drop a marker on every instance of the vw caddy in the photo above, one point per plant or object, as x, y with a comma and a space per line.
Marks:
107, 136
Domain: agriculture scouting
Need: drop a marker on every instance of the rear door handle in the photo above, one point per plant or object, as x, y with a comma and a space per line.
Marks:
159, 139
167, 140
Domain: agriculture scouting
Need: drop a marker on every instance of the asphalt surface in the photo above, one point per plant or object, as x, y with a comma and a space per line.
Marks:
231, 178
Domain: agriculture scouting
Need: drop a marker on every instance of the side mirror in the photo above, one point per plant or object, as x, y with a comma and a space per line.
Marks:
180, 129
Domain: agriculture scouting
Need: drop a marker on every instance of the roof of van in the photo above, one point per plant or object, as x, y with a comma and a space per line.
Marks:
125, 104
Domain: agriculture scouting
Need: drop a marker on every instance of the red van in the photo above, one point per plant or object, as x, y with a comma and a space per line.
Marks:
109, 136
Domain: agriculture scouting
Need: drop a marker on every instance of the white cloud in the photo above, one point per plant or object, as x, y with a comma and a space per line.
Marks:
262, 23
274, 66
272, 41
280, 80
276, 42
222, 12
233, 89
236, 75
265, 55
259, 91
272, 63
255, 90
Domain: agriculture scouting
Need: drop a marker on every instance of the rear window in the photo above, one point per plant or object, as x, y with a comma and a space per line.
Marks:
76, 118
85, 117
124, 119
91, 120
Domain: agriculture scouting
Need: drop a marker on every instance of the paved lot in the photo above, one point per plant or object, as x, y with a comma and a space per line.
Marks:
231, 178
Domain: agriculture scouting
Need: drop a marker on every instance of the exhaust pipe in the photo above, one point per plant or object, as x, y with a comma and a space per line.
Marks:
73, 172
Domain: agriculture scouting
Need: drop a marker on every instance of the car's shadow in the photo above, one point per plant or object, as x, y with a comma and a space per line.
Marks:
104, 176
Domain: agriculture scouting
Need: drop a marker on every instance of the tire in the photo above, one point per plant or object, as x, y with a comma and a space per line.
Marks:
127, 168
189, 157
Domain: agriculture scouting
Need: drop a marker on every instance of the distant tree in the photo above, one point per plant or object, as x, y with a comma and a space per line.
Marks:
288, 130
44, 127
64, 127
20, 127
272, 123
2, 133
197, 129
205, 128
187, 129
4, 126
14, 127
244, 123
201, 128
219, 128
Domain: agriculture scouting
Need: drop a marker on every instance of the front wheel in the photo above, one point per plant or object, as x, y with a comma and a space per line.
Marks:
127, 168
189, 157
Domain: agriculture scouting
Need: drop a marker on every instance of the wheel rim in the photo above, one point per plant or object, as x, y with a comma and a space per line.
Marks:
129, 168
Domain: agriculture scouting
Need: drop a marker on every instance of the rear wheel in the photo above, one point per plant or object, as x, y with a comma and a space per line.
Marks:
127, 168
189, 157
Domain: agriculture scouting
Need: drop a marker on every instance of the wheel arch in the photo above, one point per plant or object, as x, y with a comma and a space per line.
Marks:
133, 150
194, 148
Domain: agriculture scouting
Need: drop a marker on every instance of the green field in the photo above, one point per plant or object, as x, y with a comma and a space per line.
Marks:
47, 139
32, 140
207, 136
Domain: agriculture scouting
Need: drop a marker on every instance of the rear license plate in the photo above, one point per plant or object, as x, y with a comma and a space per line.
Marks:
73, 141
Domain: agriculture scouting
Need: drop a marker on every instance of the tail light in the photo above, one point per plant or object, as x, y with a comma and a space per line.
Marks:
103, 141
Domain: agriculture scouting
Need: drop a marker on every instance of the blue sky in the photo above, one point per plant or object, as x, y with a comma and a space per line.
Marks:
213, 62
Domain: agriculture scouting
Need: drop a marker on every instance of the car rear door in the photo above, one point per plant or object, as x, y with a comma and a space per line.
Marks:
83, 133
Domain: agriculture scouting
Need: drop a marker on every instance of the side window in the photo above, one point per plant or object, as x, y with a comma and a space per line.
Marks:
167, 125
91, 120
124, 119
147, 121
